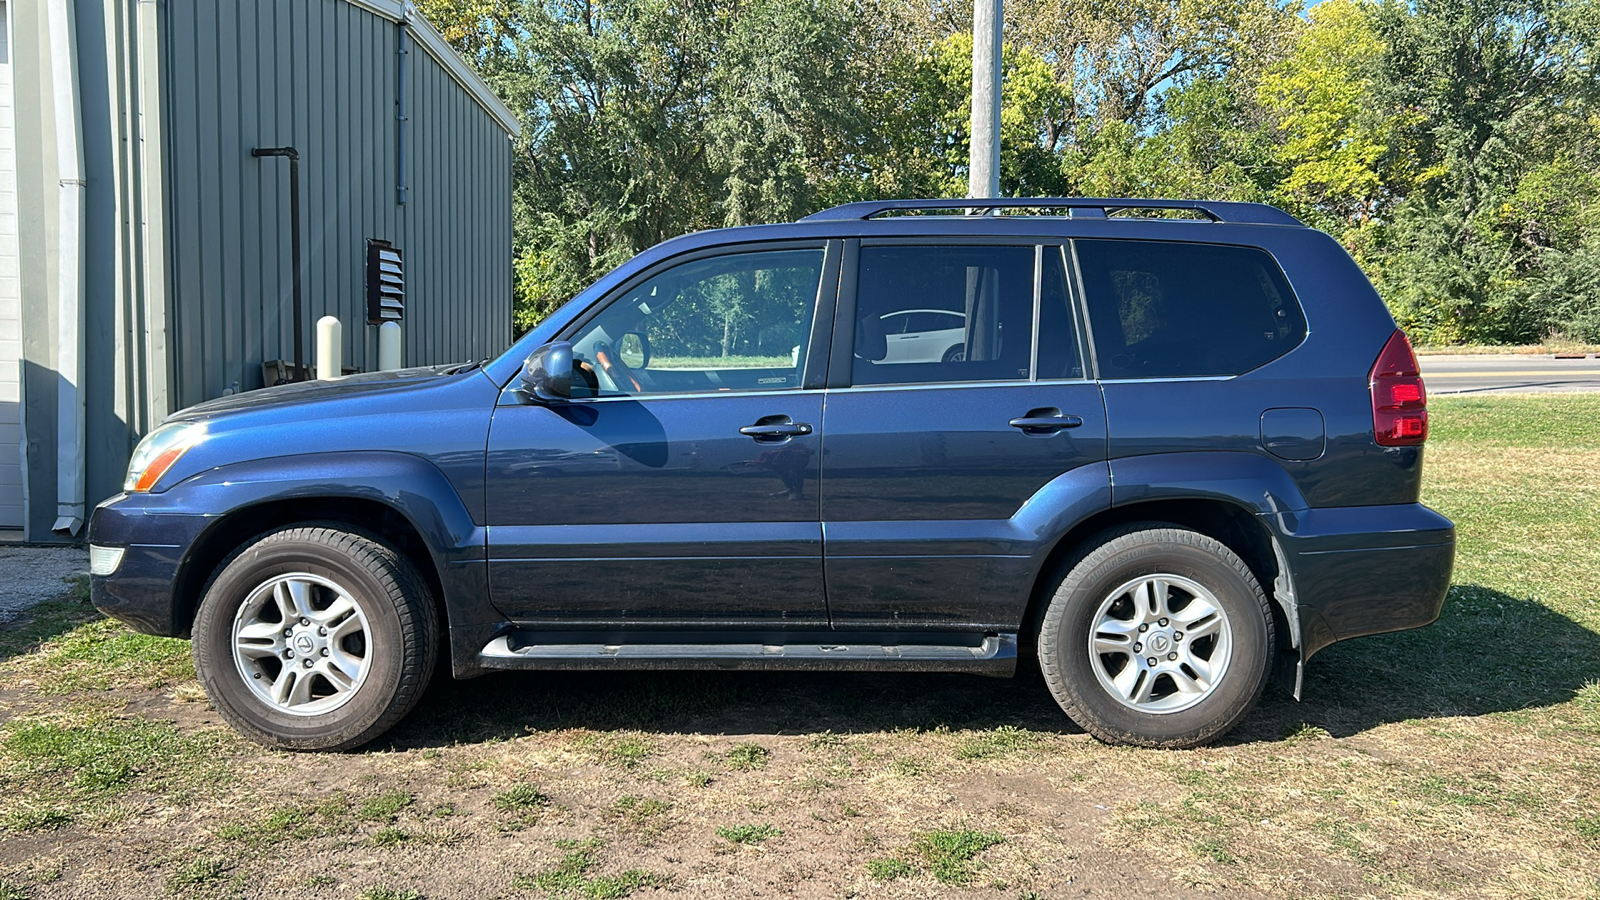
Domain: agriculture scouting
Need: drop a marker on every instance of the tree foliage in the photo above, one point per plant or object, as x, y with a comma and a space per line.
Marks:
1451, 145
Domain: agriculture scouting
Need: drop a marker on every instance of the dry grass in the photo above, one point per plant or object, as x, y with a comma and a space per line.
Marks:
1460, 760
1543, 349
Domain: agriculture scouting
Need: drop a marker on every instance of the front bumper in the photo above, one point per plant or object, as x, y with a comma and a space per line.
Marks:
155, 540
1366, 569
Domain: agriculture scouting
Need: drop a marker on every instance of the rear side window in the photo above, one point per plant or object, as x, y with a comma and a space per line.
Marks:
1171, 310
943, 314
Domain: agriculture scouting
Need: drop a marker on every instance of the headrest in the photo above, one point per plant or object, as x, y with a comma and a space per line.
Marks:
871, 344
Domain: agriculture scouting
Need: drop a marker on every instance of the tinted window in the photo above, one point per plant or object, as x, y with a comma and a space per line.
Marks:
738, 322
1058, 330
968, 314
1169, 309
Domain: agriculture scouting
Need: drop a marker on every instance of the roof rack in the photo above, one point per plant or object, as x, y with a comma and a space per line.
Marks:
1077, 207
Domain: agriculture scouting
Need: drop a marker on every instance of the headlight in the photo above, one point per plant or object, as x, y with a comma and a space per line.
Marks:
158, 451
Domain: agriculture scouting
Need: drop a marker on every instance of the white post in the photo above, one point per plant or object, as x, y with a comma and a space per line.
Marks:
388, 346
330, 348
983, 166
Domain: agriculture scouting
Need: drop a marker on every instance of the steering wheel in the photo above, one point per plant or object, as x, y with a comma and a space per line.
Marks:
615, 368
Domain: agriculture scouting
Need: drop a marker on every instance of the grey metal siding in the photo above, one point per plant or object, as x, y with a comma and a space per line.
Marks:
125, 332
321, 76
458, 217
11, 509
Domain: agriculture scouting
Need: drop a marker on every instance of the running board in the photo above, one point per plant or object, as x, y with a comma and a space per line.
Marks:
995, 654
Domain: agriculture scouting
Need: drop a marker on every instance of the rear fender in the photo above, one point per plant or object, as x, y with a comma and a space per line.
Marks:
1245, 480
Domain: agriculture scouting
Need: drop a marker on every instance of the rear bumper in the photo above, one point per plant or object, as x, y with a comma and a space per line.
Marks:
1366, 569
141, 590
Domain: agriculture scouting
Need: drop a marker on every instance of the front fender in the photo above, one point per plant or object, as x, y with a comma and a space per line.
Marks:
408, 484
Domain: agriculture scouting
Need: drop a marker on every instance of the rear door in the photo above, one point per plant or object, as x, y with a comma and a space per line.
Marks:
940, 478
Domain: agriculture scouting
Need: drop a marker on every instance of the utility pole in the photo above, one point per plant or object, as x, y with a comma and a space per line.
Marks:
984, 162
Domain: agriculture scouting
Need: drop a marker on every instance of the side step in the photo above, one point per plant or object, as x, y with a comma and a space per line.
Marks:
991, 654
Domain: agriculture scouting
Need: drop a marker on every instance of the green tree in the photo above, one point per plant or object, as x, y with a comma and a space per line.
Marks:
1486, 85
1451, 145
648, 119
1344, 156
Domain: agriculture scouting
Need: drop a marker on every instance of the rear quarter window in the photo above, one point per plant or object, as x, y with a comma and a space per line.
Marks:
1175, 310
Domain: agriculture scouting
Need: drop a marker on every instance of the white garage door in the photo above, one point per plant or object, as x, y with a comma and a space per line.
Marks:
10, 298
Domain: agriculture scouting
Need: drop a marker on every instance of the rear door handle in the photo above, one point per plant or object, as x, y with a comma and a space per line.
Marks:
775, 429
1048, 420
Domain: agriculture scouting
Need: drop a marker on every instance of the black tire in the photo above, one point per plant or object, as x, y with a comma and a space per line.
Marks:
392, 645
958, 353
1089, 596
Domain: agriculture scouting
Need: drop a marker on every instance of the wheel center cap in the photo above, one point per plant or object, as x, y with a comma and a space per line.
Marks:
1158, 642
305, 644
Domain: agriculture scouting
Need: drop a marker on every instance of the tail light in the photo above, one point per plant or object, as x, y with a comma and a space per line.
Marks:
1399, 401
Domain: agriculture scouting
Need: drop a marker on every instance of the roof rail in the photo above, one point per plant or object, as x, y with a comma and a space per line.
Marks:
1079, 207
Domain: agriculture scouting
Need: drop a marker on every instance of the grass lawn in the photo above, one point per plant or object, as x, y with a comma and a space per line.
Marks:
1460, 760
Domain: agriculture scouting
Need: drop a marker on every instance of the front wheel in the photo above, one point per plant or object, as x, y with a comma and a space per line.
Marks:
1158, 636
315, 638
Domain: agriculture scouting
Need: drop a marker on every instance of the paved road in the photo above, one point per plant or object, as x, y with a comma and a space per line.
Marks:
1508, 374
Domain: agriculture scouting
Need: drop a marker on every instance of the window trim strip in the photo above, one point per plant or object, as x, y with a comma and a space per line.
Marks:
1038, 293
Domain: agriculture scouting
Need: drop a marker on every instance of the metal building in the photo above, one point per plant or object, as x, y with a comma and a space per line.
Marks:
146, 254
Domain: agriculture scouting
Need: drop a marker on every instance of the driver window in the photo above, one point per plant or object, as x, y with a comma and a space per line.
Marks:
730, 323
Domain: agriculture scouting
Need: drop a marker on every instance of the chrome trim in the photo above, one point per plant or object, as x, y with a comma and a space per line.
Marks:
957, 385
637, 398
994, 646
1038, 294
1169, 378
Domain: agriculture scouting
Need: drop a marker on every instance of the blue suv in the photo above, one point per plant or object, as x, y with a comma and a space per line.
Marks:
1168, 449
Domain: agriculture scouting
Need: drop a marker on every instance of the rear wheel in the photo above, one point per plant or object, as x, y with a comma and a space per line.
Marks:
1157, 636
315, 638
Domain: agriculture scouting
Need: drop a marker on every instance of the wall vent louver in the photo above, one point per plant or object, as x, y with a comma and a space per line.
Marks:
386, 283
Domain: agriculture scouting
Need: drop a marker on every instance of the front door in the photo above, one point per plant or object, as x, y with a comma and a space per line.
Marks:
678, 488
946, 471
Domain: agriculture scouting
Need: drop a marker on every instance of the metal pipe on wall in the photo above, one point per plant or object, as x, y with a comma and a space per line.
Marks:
294, 250
71, 402
401, 109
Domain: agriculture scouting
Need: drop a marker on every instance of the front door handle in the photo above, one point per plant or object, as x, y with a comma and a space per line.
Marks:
775, 429
1047, 420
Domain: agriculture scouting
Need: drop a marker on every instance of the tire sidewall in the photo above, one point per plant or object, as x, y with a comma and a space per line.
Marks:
285, 553
1131, 556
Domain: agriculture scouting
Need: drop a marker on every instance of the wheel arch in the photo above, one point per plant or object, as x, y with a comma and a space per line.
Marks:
1227, 521
396, 498
371, 518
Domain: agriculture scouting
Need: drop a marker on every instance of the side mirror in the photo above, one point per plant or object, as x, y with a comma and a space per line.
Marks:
634, 349
547, 374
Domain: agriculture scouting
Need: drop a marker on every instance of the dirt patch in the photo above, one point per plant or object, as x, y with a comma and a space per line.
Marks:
757, 785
